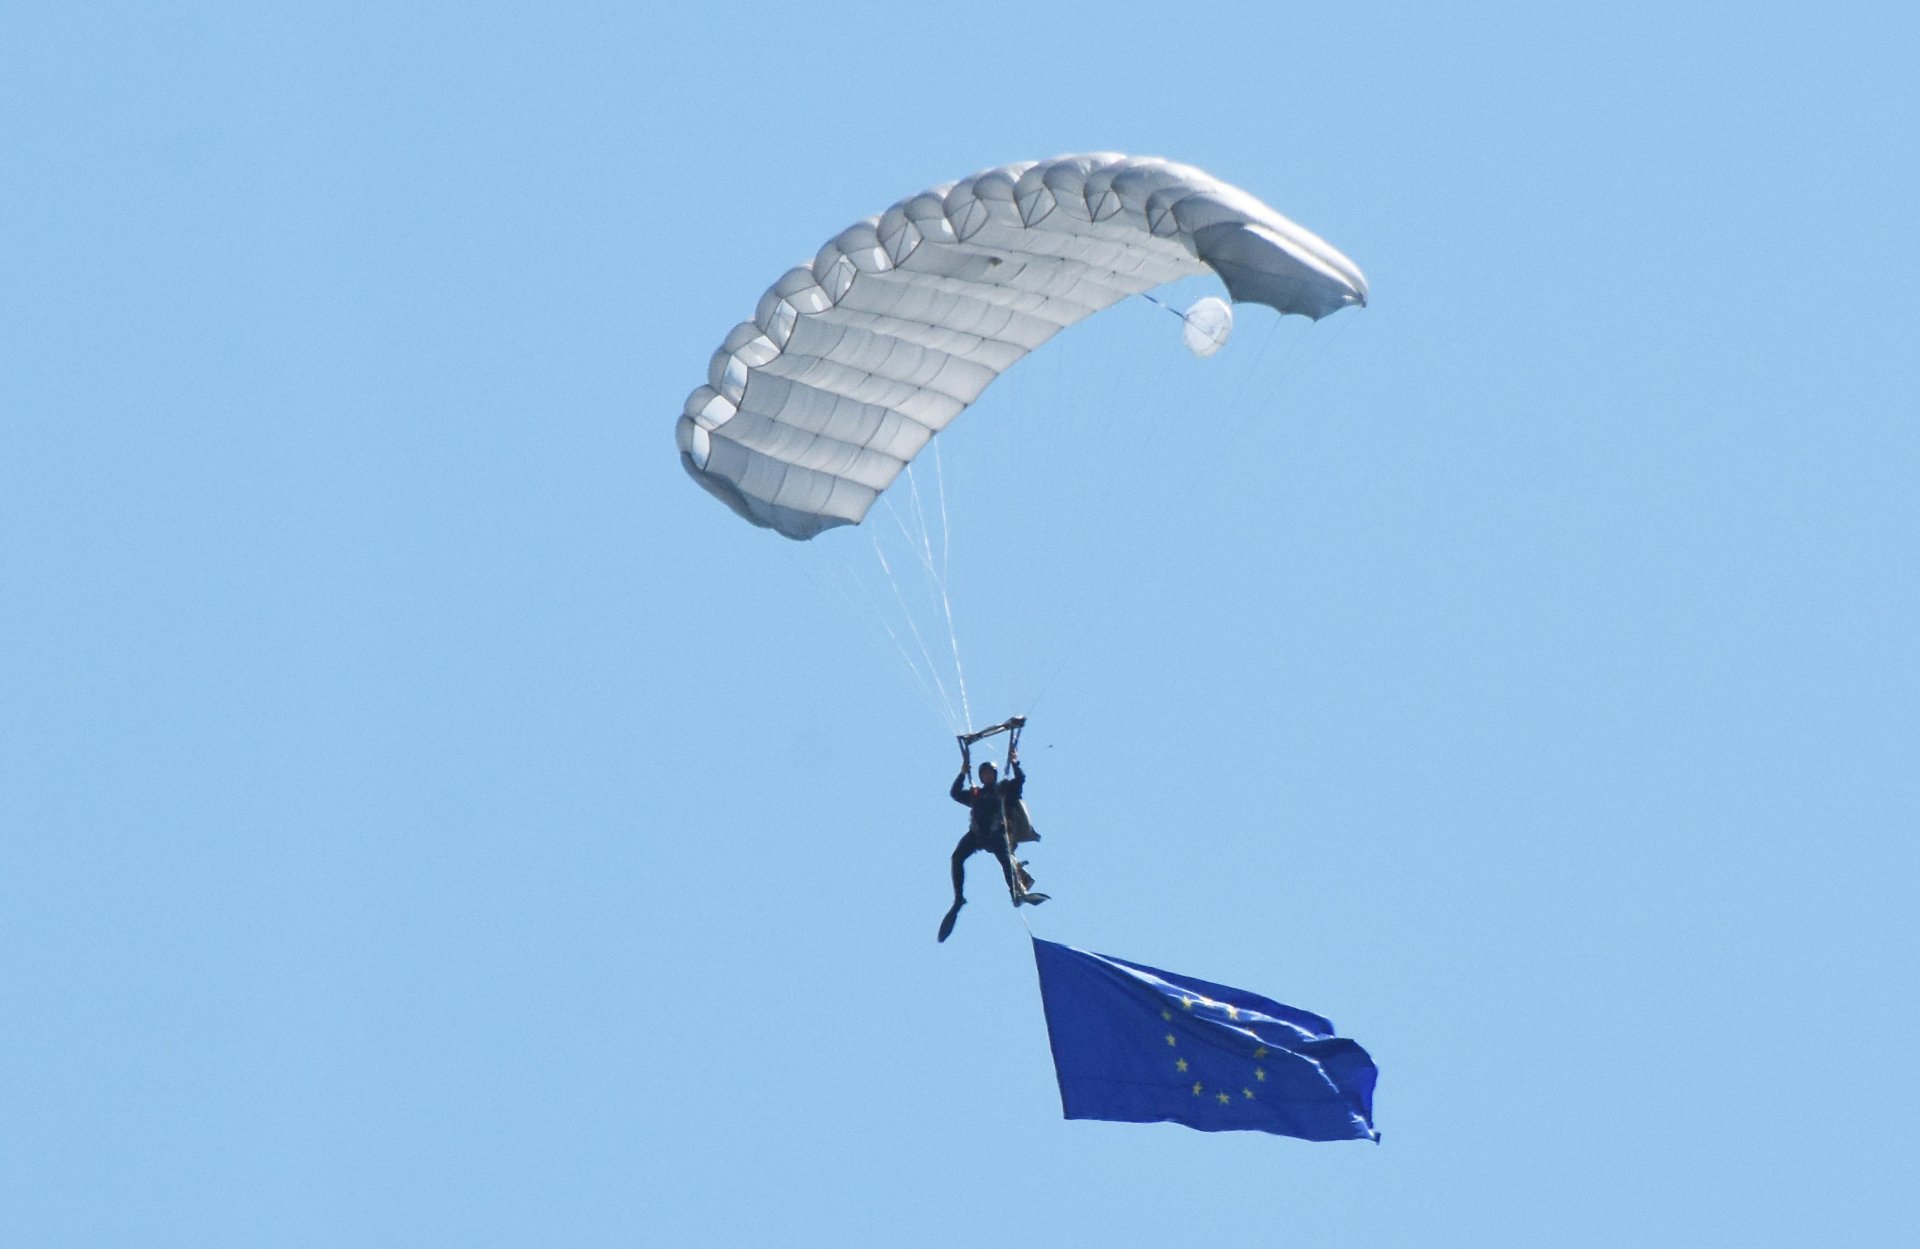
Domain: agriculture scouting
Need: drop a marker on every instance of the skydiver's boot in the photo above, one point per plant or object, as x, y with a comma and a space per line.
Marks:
946, 925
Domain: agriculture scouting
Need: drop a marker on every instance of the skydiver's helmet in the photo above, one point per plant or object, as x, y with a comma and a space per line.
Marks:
988, 772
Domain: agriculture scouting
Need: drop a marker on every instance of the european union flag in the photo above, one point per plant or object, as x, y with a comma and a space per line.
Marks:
1145, 1046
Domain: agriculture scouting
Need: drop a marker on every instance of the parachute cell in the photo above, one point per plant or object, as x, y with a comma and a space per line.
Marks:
852, 363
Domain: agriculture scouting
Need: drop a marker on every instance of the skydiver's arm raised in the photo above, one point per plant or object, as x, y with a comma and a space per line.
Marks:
960, 793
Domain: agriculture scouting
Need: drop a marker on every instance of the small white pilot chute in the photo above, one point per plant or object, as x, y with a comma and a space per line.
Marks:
1207, 325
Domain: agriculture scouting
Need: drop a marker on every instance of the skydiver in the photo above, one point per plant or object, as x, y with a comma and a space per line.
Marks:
987, 829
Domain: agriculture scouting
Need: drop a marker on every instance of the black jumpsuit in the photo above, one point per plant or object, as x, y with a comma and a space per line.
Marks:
987, 829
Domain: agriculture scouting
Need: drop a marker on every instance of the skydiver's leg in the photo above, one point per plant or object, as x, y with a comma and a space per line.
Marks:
1006, 862
960, 853
1009, 866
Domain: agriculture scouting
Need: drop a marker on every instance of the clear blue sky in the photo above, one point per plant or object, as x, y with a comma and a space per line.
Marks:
430, 820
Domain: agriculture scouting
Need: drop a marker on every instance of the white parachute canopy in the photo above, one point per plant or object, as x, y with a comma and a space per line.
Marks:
852, 363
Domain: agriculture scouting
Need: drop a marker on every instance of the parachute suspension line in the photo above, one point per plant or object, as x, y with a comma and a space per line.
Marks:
1092, 582
1244, 405
917, 543
946, 599
847, 587
929, 682
946, 530
918, 540
1102, 594
907, 614
927, 676
922, 540
1295, 362
1148, 296
939, 576
1234, 427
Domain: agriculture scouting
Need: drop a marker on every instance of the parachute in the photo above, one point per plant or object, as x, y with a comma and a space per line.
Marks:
1207, 325
853, 362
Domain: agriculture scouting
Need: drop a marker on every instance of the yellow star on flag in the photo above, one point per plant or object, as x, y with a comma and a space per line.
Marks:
1224, 1099
1170, 1040
1180, 1064
1259, 1073
1196, 1088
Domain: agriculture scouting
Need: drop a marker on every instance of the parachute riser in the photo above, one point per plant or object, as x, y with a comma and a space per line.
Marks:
1010, 727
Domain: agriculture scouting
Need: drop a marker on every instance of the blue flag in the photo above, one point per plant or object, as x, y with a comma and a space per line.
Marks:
1146, 1046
